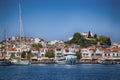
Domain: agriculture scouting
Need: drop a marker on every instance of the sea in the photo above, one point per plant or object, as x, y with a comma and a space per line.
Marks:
61, 72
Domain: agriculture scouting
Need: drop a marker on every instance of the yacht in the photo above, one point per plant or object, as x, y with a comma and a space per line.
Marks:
66, 58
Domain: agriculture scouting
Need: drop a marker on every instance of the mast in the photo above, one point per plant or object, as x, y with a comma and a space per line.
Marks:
4, 54
20, 17
20, 27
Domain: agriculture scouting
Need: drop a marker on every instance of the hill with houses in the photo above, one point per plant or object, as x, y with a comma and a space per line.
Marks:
86, 46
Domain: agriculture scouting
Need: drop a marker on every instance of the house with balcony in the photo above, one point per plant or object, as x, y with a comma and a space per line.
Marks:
86, 54
59, 50
99, 53
12, 51
115, 54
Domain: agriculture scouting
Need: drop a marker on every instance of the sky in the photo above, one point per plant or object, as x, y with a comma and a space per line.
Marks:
60, 19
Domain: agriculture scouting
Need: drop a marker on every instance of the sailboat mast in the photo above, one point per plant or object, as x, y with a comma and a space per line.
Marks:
20, 17
5, 43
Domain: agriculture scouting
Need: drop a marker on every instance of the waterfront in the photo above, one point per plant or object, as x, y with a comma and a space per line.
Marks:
60, 72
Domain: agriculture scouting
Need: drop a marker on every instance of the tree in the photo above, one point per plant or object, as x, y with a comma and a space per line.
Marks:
104, 40
109, 41
50, 54
23, 55
12, 55
95, 36
29, 55
37, 46
79, 55
89, 34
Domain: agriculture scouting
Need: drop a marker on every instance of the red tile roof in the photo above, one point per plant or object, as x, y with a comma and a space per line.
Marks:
12, 49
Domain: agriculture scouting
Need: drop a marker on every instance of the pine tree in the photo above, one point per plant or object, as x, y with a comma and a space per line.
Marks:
95, 36
89, 34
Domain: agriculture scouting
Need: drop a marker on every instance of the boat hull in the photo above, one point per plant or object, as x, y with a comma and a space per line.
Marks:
71, 61
107, 62
5, 63
20, 63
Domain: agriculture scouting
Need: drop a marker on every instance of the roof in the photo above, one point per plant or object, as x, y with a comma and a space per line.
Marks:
12, 49
114, 49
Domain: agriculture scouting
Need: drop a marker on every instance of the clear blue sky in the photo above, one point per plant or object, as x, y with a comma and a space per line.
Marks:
60, 19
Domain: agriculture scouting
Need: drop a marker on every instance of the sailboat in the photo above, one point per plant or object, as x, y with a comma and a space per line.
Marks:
4, 61
19, 61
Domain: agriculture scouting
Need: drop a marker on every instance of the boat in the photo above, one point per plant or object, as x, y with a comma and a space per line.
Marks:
107, 62
66, 58
6, 63
19, 61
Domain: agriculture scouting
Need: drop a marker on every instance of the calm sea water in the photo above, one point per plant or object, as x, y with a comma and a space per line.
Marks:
61, 72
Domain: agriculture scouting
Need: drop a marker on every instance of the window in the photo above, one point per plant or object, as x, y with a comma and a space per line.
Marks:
113, 54
117, 54
58, 49
98, 54
105, 55
92, 54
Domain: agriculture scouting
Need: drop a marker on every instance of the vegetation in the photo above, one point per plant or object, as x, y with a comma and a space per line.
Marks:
104, 40
95, 36
78, 54
50, 54
37, 46
29, 55
12, 56
23, 55
89, 34
83, 42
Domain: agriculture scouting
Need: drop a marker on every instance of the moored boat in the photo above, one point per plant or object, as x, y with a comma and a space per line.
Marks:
66, 58
107, 62
19, 61
5, 63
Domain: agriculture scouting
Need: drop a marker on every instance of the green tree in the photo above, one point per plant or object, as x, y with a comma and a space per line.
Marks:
104, 40
23, 55
109, 41
89, 34
95, 36
12, 55
50, 54
29, 55
37, 46
79, 55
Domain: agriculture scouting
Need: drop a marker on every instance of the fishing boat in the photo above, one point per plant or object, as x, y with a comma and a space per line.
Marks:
66, 58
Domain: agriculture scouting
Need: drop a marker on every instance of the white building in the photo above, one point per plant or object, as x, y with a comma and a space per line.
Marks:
85, 34
86, 54
36, 40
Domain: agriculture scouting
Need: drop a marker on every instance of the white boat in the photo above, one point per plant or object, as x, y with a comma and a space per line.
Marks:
107, 62
5, 63
66, 58
20, 61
